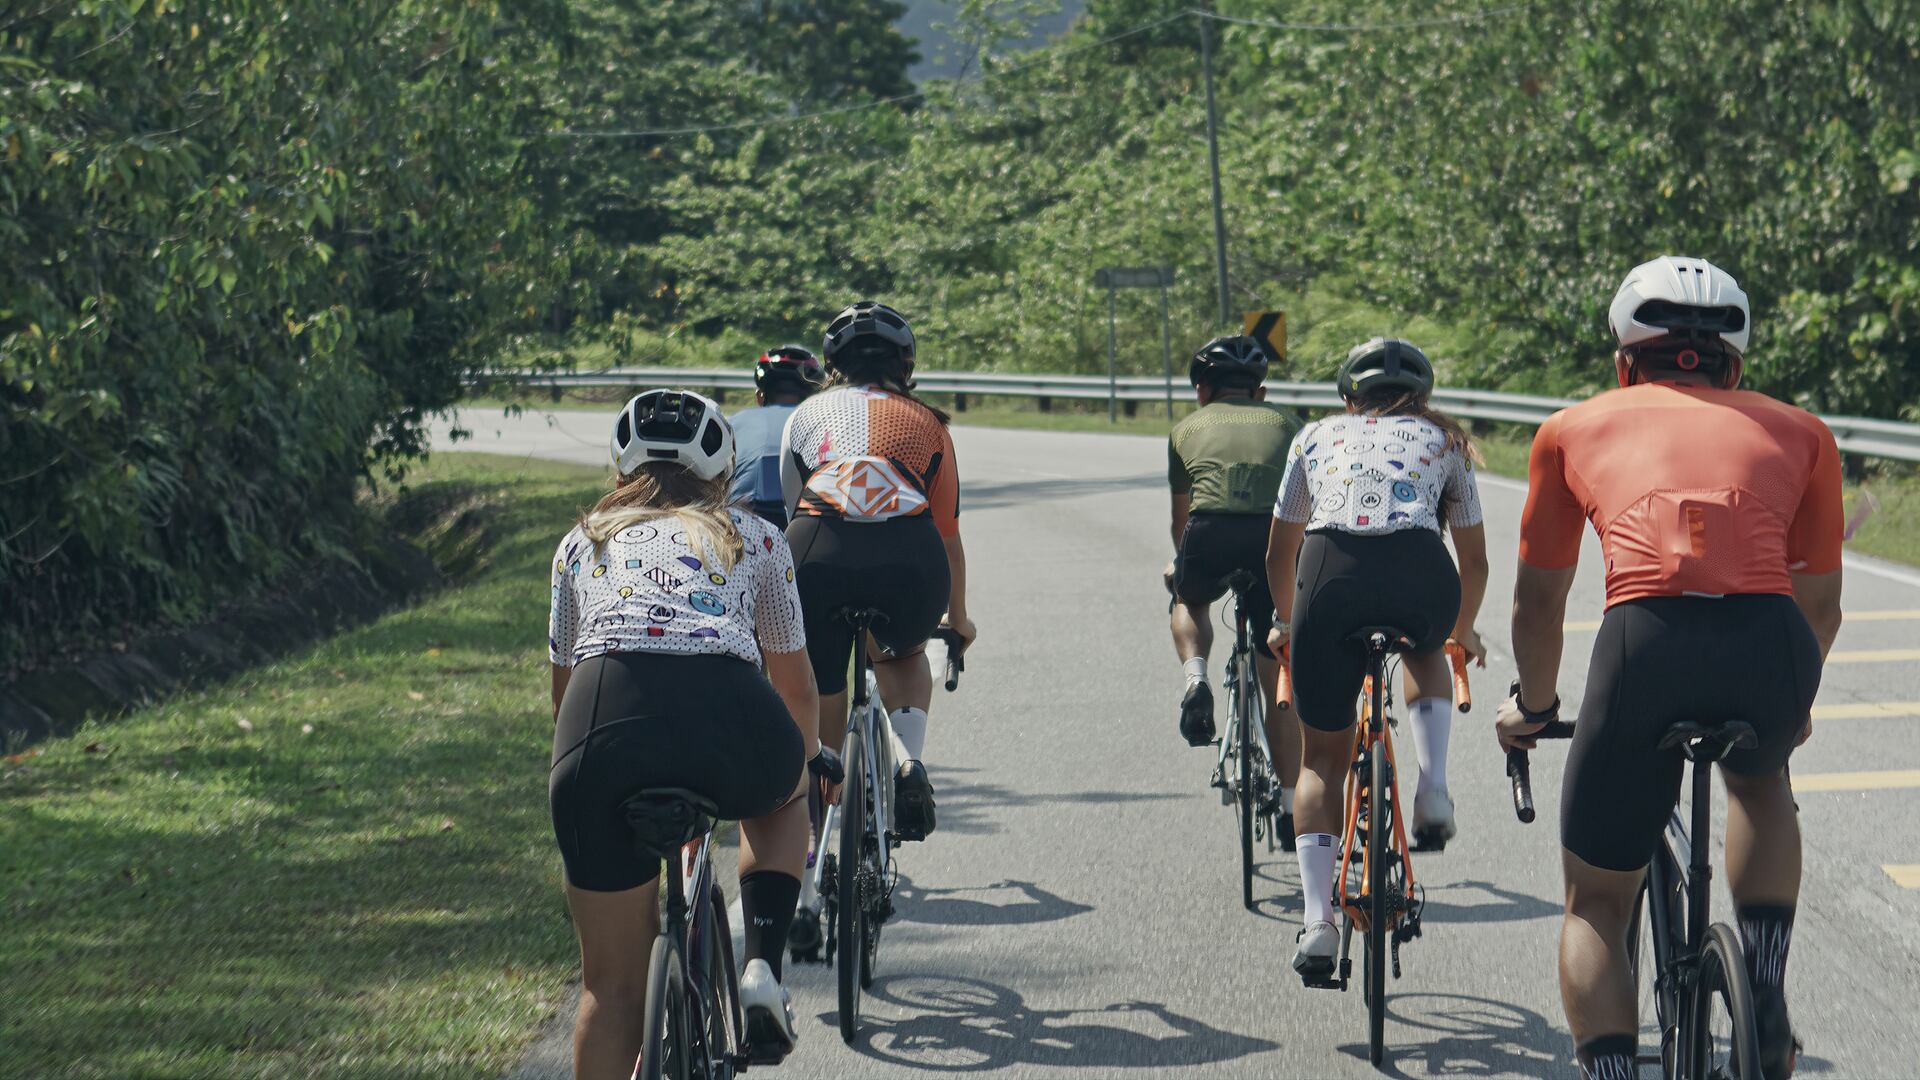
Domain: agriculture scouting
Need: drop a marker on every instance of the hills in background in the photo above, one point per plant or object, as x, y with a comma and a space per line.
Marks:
940, 57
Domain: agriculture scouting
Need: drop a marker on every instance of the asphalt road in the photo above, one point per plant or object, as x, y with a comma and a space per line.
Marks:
1078, 912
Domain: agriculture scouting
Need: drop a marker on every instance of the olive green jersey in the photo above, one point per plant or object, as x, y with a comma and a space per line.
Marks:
1231, 456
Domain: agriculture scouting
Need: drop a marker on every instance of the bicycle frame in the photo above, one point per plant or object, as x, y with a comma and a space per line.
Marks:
1243, 675
1373, 743
869, 714
1680, 871
690, 920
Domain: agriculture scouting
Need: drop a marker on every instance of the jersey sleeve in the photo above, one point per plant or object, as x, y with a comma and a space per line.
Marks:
1551, 524
1178, 478
776, 600
790, 478
1819, 525
1462, 498
1295, 503
943, 494
563, 614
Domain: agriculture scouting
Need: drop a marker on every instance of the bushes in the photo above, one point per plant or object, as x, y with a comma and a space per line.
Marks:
244, 242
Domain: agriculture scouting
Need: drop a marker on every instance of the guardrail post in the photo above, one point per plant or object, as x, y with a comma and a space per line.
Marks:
959, 403
1131, 407
1045, 402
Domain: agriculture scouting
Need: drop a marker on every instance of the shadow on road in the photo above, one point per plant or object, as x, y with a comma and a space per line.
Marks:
1046, 492
1507, 905
965, 808
1459, 1035
975, 905
956, 1024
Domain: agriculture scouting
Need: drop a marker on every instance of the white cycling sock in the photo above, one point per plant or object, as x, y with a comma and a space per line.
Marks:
910, 724
1316, 851
1196, 670
1432, 723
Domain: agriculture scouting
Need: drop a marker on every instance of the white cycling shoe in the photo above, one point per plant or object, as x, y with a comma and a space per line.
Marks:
1319, 944
771, 1033
1433, 823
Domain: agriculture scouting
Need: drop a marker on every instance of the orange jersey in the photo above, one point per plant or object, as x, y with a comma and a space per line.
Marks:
1694, 491
867, 455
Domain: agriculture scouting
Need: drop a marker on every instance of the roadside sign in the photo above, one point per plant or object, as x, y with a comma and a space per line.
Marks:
1269, 328
1133, 277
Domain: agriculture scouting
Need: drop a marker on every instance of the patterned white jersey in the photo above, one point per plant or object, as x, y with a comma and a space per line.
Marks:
864, 454
1376, 474
647, 591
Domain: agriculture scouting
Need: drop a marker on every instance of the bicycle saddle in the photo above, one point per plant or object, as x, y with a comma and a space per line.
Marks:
1398, 640
662, 819
1709, 742
860, 618
1240, 581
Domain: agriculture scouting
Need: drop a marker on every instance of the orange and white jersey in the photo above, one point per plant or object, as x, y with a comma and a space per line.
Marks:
864, 454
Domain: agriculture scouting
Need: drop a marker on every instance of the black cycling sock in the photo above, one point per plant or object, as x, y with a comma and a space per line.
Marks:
767, 902
1766, 932
1609, 1057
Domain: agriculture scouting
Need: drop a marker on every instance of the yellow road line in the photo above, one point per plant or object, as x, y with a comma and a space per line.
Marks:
1867, 780
1865, 709
1907, 877
1589, 625
1871, 656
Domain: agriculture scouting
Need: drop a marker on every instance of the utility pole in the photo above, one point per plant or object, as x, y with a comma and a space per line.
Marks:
1213, 165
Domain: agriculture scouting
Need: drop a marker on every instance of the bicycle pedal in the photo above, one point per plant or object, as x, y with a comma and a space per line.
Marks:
1326, 983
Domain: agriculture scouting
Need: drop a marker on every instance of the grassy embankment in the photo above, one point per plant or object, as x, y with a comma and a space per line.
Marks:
338, 865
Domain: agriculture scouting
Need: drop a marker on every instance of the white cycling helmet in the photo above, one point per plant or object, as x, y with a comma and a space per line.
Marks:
1678, 295
673, 425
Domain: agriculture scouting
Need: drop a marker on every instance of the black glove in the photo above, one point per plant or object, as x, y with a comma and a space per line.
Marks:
827, 766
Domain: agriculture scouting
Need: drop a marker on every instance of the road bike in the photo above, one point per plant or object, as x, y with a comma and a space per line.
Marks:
1702, 1002
1374, 886
1243, 769
852, 876
694, 1028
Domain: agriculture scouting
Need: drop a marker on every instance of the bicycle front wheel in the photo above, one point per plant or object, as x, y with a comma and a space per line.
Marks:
1722, 1039
1245, 745
851, 952
667, 1053
1378, 910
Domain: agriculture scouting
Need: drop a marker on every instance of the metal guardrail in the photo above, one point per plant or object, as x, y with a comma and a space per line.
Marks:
1854, 434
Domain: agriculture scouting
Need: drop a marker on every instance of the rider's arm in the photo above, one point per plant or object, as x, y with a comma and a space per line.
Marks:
957, 569
792, 676
563, 620
560, 677
789, 466
1470, 549
1813, 544
943, 494
1283, 551
1551, 527
1180, 482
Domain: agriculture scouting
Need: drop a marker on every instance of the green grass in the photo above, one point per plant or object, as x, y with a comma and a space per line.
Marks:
339, 865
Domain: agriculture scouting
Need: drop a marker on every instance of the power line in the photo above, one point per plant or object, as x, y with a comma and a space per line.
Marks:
770, 121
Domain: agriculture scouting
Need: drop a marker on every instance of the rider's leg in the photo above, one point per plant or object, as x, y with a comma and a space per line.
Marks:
773, 855
906, 682
1317, 806
1596, 981
1192, 625
614, 928
1429, 691
1763, 873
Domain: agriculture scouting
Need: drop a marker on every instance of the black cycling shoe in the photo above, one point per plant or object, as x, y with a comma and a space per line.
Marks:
1779, 1046
912, 802
1196, 715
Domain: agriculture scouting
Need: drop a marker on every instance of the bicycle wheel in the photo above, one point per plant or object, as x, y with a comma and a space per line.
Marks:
722, 992
851, 949
1378, 912
1245, 745
667, 1053
1722, 1037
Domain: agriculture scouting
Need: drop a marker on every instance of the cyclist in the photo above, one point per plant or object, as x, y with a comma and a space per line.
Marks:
1719, 515
869, 473
783, 377
1224, 464
1357, 542
664, 601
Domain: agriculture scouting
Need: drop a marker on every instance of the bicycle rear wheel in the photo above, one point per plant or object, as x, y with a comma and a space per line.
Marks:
1722, 1037
667, 1053
1244, 738
1378, 910
851, 952
722, 992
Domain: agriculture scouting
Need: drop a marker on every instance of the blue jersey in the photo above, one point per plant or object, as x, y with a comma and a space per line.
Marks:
757, 444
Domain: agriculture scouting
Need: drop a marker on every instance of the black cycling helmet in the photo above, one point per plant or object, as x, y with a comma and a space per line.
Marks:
788, 369
1386, 364
1229, 361
866, 337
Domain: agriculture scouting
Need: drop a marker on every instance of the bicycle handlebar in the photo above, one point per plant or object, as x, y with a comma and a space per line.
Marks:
1521, 774
1462, 693
956, 655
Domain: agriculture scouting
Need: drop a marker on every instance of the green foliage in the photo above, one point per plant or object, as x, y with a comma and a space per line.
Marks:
248, 245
